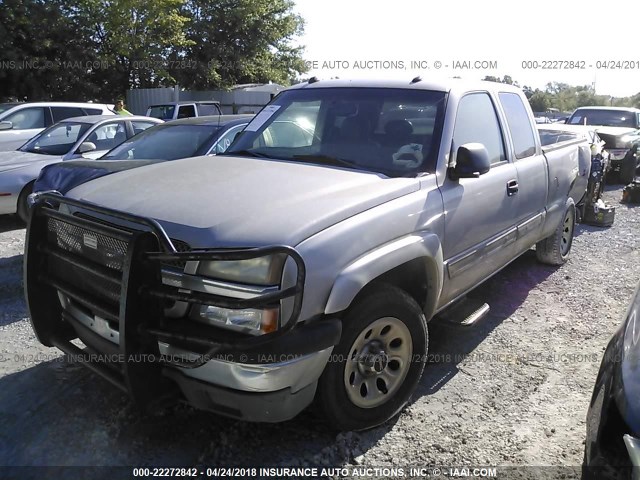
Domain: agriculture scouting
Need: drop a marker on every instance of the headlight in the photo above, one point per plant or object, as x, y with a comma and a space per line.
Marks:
260, 271
251, 321
263, 271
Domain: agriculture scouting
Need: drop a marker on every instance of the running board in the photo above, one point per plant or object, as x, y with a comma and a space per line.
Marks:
465, 313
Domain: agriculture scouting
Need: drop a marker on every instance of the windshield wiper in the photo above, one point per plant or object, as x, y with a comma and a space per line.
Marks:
340, 162
36, 150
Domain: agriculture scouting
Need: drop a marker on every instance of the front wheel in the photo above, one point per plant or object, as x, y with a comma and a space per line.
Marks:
23, 207
377, 365
554, 250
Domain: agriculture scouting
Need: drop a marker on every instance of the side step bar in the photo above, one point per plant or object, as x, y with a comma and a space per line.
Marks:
465, 313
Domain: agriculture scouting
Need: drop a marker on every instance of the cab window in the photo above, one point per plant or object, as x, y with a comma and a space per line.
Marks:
477, 122
524, 143
27, 118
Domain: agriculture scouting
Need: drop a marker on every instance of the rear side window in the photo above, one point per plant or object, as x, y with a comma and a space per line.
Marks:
93, 111
477, 122
60, 113
524, 143
186, 111
208, 109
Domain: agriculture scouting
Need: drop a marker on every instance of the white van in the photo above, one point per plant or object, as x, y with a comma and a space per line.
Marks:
20, 122
188, 109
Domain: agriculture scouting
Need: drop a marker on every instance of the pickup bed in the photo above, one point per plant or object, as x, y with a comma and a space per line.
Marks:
306, 262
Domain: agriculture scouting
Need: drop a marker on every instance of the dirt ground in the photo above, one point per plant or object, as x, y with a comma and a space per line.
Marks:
512, 391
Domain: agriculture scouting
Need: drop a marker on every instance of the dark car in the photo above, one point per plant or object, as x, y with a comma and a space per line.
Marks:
191, 137
612, 447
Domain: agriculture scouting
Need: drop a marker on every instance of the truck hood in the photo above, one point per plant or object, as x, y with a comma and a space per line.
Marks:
15, 159
237, 201
618, 137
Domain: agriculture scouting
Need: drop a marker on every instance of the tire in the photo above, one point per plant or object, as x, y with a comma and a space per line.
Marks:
616, 467
628, 170
23, 208
377, 364
554, 250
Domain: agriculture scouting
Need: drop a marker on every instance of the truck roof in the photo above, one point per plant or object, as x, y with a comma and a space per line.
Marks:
441, 85
210, 120
187, 102
616, 109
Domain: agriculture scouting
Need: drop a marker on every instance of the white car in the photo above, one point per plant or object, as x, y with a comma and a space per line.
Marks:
21, 121
80, 137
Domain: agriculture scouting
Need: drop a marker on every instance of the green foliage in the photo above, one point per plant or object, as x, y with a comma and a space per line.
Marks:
565, 97
98, 49
239, 41
44, 53
540, 101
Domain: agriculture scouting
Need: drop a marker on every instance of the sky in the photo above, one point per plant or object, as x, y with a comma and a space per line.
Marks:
534, 42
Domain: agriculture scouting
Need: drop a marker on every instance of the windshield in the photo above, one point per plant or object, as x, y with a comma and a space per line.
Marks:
163, 112
391, 131
607, 118
166, 142
57, 139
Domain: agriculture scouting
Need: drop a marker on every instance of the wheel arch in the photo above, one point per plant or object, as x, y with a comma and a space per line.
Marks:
413, 263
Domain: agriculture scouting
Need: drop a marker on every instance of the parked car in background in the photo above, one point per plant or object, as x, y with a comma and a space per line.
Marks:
619, 127
79, 137
607, 117
543, 120
306, 260
612, 447
169, 141
21, 121
178, 110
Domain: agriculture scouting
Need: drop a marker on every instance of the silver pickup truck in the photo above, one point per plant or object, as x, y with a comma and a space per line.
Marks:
306, 263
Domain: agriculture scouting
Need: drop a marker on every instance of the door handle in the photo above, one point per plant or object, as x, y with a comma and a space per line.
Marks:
512, 187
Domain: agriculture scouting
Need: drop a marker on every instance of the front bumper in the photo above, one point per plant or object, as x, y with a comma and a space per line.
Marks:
91, 279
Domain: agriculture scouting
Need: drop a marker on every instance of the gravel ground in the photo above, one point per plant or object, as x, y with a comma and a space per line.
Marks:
512, 391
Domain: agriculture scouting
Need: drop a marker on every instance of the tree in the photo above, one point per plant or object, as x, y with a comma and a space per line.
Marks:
239, 41
134, 38
43, 59
540, 101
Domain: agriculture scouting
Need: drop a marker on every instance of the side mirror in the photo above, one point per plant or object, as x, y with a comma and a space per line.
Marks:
472, 160
6, 125
86, 147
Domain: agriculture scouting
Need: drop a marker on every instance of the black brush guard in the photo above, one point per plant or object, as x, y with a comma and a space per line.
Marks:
115, 273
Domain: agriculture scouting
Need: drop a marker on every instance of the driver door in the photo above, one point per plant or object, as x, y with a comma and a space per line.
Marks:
480, 213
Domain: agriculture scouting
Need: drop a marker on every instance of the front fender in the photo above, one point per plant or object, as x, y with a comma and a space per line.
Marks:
11, 184
385, 258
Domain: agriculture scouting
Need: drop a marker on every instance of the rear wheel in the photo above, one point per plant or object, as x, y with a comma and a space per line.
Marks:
554, 250
377, 364
23, 207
